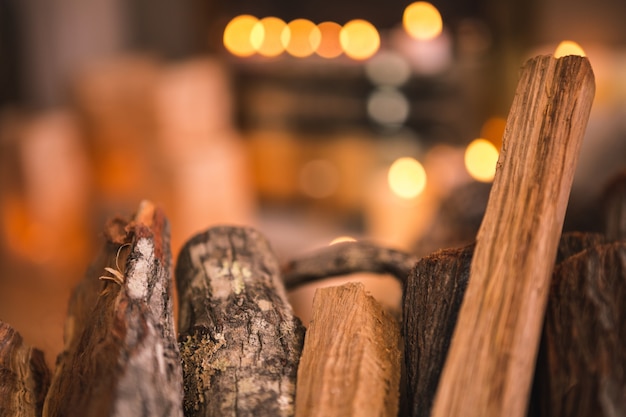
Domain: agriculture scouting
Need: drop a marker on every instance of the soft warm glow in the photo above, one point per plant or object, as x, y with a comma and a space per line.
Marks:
301, 38
319, 178
493, 130
359, 39
388, 68
388, 106
481, 157
407, 178
237, 35
266, 36
342, 239
422, 20
568, 48
329, 46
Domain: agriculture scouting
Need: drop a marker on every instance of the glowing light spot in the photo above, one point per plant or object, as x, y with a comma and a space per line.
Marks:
568, 48
319, 178
301, 38
493, 130
329, 46
266, 36
481, 157
341, 239
237, 35
407, 178
359, 39
422, 21
388, 106
388, 68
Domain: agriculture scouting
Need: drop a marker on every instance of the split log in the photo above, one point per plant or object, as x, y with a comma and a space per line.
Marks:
24, 377
489, 367
121, 357
346, 258
431, 301
239, 340
581, 369
350, 364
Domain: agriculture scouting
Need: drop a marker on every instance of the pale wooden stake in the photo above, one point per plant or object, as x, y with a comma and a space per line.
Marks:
350, 365
489, 368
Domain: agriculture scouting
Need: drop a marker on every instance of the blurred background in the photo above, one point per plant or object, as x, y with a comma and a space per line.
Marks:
309, 120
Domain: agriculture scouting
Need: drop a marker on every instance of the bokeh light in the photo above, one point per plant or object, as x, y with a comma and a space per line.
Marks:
329, 46
568, 48
407, 177
359, 39
319, 178
341, 239
301, 38
238, 35
422, 21
266, 36
388, 106
388, 68
481, 158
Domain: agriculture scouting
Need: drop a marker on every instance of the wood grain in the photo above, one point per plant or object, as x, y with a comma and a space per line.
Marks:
350, 364
24, 377
489, 368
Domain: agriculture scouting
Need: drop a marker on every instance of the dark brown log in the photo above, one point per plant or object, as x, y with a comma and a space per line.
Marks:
24, 377
239, 340
614, 202
121, 357
572, 243
431, 301
351, 360
346, 258
581, 370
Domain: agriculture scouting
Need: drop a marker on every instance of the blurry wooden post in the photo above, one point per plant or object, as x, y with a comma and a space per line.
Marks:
24, 377
121, 357
350, 364
489, 368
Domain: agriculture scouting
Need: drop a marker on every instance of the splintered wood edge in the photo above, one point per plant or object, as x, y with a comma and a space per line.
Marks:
489, 367
350, 364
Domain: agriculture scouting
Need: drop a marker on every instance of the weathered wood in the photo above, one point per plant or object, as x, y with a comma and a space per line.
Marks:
24, 377
346, 258
431, 301
581, 370
614, 202
350, 364
490, 363
572, 243
121, 357
239, 340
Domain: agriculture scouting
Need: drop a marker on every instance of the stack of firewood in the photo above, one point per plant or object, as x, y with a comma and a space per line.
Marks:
526, 321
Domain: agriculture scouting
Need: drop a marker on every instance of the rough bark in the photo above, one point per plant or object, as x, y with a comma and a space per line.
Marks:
346, 258
351, 361
239, 340
581, 369
489, 367
24, 377
121, 357
572, 243
431, 301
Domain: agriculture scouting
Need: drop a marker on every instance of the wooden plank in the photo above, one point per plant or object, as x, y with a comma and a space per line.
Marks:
121, 357
24, 377
350, 364
489, 368
239, 340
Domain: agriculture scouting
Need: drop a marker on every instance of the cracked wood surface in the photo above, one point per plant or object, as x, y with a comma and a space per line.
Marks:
239, 340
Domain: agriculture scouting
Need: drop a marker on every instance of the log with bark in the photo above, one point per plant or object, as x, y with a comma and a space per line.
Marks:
24, 377
121, 357
239, 340
350, 364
